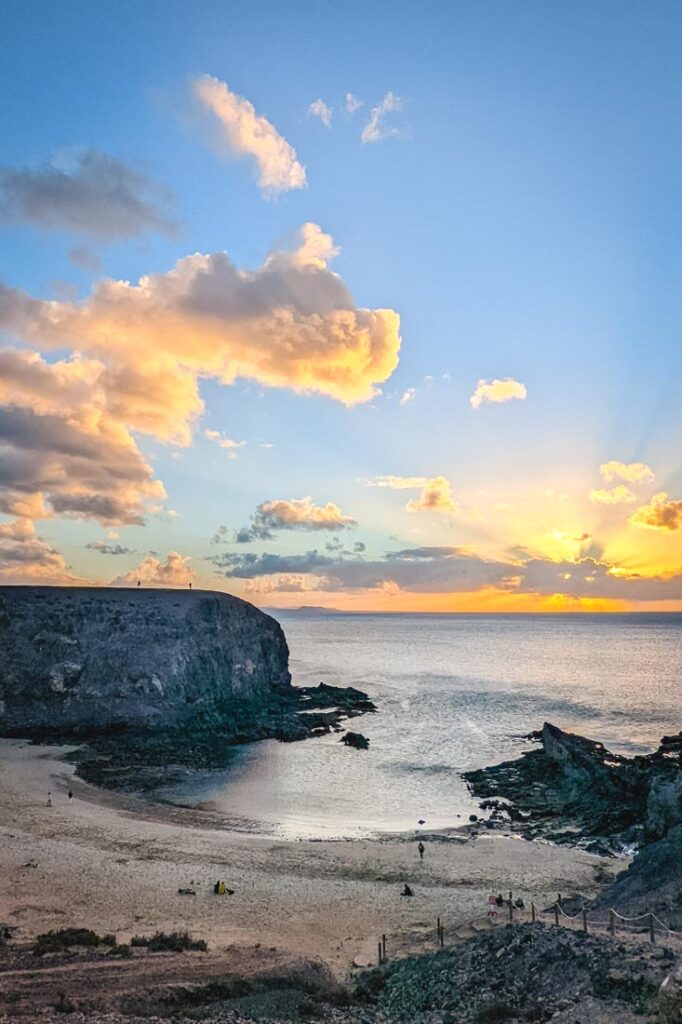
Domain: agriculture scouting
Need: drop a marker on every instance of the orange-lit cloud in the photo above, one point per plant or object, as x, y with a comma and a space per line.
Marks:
436, 492
291, 323
297, 514
173, 571
659, 514
631, 472
27, 558
497, 391
619, 495
249, 134
436, 496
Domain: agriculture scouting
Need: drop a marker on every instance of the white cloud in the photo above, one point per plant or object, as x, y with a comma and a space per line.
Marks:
352, 103
377, 127
407, 396
320, 109
632, 472
226, 443
252, 135
497, 391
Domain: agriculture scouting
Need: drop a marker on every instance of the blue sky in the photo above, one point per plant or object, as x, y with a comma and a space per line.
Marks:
520, 215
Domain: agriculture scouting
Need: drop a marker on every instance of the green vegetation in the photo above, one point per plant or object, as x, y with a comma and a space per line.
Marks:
169, 942
67, 938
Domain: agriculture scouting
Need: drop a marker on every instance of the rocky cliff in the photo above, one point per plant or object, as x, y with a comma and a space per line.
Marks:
83, 660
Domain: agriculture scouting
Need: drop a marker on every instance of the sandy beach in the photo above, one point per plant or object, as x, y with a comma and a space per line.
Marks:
115, 863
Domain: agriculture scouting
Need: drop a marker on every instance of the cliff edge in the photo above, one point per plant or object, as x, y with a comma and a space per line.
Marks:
83, 660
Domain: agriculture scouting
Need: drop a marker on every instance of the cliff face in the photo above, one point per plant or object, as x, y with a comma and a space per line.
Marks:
87, 659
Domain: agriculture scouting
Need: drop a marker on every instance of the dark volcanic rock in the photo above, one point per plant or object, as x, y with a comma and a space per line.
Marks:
356, 740
87, 659
156, 682
522, 972
574, 787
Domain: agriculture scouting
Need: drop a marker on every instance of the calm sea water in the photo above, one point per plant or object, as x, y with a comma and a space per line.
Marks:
454, 692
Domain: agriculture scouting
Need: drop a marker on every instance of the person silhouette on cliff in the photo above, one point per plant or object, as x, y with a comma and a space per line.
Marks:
421, 849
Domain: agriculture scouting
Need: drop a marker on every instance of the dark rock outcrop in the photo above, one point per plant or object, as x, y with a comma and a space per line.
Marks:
575, 789
153, 683
355, 740
89, 659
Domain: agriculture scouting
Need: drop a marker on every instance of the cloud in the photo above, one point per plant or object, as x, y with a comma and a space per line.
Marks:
398, 483
252, 135
449, 570
436, 492
377, 127
174, 571
497, 391
63, 449
109, 549
97, 196
436, 496
221, 536
632, 472
659, 514
407, 396
297, 514
320, 109
352, 103
27, 558
619, 495
224, 442
290, 323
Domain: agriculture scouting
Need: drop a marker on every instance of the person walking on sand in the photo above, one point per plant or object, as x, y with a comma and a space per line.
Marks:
492, 906
70, 794
49, 799
421, 849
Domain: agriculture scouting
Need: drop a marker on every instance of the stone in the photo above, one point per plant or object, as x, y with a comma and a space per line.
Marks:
670, 997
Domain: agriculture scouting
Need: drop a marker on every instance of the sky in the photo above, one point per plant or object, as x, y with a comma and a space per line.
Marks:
372, 306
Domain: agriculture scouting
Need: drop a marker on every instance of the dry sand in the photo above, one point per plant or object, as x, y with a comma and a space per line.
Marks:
115, 864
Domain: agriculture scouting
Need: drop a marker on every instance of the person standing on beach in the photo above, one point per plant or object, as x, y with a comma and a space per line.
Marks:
70, 794
49, 799
421, 849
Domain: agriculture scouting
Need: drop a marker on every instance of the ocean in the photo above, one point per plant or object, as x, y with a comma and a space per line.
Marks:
453, 692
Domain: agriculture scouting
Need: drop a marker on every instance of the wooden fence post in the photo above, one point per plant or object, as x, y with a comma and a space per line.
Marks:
584, 920
511, 909
532, 911
556, 914
438, 930
380, 956
652, 930
612, 922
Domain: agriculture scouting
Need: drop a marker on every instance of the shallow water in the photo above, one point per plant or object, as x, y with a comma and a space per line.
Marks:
454, 692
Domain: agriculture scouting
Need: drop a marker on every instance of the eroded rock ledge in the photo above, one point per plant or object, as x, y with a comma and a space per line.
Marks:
573, 789
152, 682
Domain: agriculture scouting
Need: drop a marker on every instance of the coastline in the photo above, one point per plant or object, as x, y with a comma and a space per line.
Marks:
114, 863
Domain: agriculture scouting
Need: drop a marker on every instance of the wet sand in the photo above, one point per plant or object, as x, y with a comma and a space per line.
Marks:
115, 863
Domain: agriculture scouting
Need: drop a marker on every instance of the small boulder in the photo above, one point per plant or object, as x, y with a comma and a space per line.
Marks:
356, 740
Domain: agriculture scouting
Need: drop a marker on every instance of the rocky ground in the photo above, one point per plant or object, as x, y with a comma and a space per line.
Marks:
139, 761
513, 973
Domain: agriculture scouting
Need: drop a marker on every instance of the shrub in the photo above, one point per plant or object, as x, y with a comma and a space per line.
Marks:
169, 942
65, 938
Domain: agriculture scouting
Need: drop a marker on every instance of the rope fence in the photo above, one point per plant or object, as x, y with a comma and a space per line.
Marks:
648, 924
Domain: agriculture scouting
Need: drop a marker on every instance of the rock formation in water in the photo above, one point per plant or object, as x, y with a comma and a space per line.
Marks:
89, 659
574, 787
